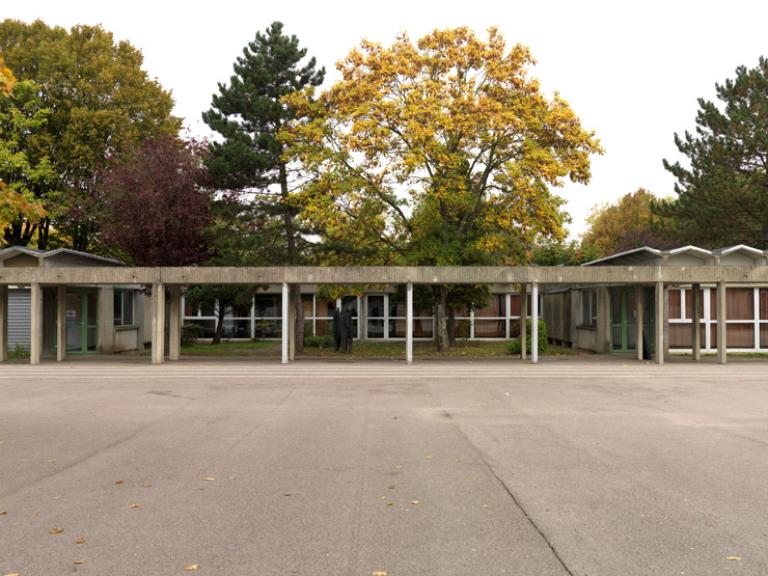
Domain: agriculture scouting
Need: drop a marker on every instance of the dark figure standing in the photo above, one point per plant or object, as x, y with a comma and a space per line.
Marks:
337, 330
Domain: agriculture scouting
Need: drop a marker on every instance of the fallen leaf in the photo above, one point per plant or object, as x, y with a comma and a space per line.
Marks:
51, 461
3, 513
134, 506
209, 478
192, 567
78, 562
13, 574
736, 558
119, 482
379, 573
390, 503
287, 494
55, 530
428, 457
147, 485
415, 502
80, 540
391, 487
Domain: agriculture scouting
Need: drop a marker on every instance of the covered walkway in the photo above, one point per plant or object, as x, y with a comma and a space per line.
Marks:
170, 281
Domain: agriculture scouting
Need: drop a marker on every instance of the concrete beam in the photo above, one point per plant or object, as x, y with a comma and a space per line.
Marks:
3, 323
575, 275
61, 322
36, 329
174, 323
158, 323
658, 310
722, 316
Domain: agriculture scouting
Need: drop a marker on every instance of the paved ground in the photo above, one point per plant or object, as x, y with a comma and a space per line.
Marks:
436, 469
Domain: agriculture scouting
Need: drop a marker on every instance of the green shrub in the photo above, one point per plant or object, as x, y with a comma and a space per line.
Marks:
18, 353
514, 345
318, 342
190, 333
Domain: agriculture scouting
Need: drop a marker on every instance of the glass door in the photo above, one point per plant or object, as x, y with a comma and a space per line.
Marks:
80, 328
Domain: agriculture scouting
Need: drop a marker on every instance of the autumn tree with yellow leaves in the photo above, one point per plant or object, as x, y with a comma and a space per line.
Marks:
438, 152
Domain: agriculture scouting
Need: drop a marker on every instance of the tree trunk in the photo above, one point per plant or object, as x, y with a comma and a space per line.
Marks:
442, 341
452, 326
292, 257
219, 325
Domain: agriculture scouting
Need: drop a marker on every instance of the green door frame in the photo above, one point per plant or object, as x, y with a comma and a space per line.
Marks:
85, 326
623, 323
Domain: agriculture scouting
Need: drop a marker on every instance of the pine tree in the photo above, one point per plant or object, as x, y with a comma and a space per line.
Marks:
248, 113
723, 187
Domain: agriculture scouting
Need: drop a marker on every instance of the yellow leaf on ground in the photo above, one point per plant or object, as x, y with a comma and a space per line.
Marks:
415, 502
209, 478
378, 573
55, 530
733, 558
80, 540
12, 574
147, 484
428, 457
78, 562
135, 506
192, 567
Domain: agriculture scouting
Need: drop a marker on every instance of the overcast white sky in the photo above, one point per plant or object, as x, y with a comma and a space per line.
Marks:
632, 72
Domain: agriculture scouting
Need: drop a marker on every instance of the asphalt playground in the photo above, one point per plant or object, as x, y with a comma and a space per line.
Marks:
224, 468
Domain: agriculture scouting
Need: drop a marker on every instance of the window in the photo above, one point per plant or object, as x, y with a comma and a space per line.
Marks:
123, 313
589, 307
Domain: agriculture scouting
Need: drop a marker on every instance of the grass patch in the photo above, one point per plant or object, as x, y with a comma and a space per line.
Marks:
365, 350
224, 348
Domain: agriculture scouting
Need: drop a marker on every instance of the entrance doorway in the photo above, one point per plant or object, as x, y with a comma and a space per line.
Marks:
624, 319
80, 326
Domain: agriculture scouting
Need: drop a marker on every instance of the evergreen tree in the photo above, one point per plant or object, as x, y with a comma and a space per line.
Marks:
723, 187
248, 113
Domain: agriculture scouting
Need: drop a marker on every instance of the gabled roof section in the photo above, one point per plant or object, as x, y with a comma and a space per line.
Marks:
739, 248
41, 255
695, 249
634, 254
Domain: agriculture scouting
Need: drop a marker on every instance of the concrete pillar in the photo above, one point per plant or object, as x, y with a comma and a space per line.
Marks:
174, 328
3, 323
61, 322
722, 315
535, 322
292, 315
523, 321
105, 319
658, 309
158, 323
286, 324
696, 323
639, 321
603, 332
409, 323
36, 331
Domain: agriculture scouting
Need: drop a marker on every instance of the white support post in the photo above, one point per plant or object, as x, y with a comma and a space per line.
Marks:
639, 321
61, 322
36, 332
507, 313
535, 322
292, 315
707, 299
174, 330
722, 317
696, 322
756, 316
158, 323
409, 323
3, 323
658, 308
286, 324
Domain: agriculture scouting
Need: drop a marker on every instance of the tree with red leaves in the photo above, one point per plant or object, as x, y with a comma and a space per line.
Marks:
157, 204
